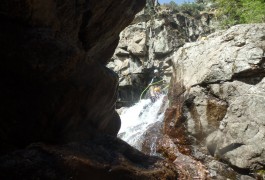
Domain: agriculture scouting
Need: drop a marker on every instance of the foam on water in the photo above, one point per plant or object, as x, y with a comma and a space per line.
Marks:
136, 120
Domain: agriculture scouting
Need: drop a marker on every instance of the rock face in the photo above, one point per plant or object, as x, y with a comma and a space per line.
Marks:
55, 86
149, 42
217, 96
55, 89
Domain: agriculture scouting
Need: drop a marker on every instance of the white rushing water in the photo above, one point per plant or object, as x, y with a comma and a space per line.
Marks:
137, 119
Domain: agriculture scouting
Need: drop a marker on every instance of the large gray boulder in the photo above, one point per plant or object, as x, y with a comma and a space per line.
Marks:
224, 101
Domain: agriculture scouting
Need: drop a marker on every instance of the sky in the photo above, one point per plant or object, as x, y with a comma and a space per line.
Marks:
176, 1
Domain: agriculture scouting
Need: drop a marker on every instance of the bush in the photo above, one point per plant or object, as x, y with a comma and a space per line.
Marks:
240, 11
193, 7
253, 11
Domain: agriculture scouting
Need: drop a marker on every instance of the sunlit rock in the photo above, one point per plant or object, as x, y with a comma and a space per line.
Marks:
149, 43
218, 91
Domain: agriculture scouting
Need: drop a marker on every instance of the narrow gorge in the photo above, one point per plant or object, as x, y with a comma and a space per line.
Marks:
73, 79
214, 125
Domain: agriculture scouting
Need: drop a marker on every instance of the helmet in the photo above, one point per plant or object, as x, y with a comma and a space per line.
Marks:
157, 89
155, 71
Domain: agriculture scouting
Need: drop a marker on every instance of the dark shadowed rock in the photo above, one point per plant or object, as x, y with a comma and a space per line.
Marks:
56, 90
54, 84
104, 157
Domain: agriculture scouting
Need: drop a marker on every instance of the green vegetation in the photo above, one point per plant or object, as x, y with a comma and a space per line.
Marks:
189, 8
228, 12
260, 174
240, 11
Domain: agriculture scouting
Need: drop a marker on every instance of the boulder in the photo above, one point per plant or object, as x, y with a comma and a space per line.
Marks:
240, 138
218, 90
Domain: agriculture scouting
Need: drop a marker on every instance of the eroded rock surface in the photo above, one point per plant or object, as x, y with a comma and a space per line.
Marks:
217, 96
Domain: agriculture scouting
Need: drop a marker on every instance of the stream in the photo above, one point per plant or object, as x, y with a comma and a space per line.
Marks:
141, 127
138, 119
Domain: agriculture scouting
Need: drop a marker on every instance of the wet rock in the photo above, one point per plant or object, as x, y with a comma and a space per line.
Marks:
188, 167
151, 138
204, 112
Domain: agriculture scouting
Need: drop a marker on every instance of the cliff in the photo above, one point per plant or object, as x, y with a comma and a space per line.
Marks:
149, 42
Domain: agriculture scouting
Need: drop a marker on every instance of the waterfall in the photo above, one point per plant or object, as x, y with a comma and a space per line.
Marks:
136, 120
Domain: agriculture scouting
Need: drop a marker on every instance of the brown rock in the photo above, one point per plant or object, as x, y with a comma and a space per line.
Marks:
188, 167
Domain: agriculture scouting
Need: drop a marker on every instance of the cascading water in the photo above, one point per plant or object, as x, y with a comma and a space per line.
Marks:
139, 118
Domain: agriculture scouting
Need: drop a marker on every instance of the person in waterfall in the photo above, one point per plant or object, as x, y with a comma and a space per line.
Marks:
155, 86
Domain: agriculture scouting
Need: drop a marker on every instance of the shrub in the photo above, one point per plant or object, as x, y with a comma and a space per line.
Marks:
253, 11
240, 11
